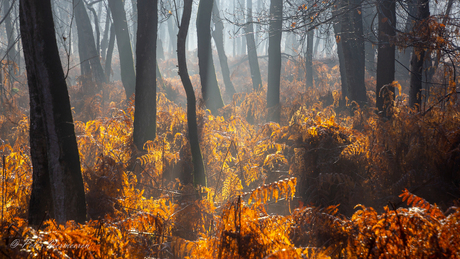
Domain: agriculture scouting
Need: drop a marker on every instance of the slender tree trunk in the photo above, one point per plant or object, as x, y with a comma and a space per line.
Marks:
252, 51
11, 54
145, 98
199, 174
57, 188
218, 36
386, 56
402, 67
91, 68
369, 12
98, 33
105, 37
338, 36
274, 60
128, 75
353, 51
309, 60
418, 57
108, 60
209, 86
135, 24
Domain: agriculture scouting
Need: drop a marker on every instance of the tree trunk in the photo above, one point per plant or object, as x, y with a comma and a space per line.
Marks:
105, 37
338, 36
218, 36
199, 174
402, 67
274, 60
418, 57
108, 60
386, 57
309, 60
252, 51
209, 87
57, 188
128, 75
353, 51
96, 27
135, 29
145, 98
369, 12
11, 54
90, 64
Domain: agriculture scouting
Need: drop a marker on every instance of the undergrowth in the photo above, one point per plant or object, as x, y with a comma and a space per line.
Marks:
285, 190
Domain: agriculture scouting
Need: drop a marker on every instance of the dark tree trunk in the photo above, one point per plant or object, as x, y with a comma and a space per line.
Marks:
145, 98
209, 86
199, 174
128, 75
386, 57
353, 51
338, 36
274, 60
218, 36
57, 187
418, 57
309, 60
108, 60
252, 51
90, 64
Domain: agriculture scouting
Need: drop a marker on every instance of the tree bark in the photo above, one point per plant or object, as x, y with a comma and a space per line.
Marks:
128, 75
199, 174
90, 64
57, 188
252, 51
145, 98
274, 60
218, 36
386, 57
418, 57
343, 75
209, 86
353, 51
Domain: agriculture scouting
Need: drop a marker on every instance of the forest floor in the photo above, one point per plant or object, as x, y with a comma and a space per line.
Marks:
331, 180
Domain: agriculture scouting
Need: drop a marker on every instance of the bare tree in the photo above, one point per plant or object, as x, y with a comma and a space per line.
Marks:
386, 56
145, 98
128, 75
209, 86
199, 175
57, 188
274, 60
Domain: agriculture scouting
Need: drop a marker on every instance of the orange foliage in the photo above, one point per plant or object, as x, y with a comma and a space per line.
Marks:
322, 154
